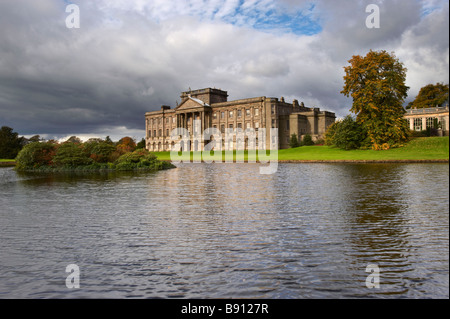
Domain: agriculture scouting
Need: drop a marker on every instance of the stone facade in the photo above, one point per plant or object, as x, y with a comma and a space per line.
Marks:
212, 108
421, 119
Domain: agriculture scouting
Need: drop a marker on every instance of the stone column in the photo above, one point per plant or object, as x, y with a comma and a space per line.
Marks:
424, 123
411, 123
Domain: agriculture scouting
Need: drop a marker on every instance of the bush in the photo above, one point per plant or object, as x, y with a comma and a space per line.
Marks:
346, 134
320, 141
71, 155
101, 152
293, 141
35, 155
140, 159
307, 140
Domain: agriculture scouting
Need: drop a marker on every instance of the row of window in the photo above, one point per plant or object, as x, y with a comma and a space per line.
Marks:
159, 120
158, 133
238, 113
430, 122
155, 121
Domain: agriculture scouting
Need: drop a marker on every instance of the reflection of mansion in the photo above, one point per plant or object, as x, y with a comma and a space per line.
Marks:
210, 109
433, 117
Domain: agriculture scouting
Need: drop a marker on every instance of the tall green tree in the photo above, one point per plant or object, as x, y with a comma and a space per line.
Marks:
376, 84
293, 141
430, 95
10, 143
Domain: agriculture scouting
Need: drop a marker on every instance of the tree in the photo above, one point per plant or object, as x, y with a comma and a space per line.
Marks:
10, 143
293, 141
35, 155
34, 138
307, 140
376, 83
430, 95
101, 152
70, 155
108, 140
346, 134
74, 139
125, 145
141, 144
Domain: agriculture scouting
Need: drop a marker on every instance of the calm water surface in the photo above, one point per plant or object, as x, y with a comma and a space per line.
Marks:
224, 230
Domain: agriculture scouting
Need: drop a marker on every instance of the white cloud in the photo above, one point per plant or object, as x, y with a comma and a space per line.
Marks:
130, 57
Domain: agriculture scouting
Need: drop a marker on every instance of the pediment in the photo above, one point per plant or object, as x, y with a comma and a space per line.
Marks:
191, 103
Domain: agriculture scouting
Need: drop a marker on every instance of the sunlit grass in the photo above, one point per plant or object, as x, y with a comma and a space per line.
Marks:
431, 148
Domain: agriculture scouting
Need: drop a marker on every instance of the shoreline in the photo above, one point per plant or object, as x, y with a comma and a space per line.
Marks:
7, 164
336, 161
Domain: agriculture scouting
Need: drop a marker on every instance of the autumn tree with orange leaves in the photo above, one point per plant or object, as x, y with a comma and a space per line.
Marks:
376, 84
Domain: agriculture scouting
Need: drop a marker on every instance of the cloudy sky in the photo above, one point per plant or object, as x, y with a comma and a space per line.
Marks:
131, 56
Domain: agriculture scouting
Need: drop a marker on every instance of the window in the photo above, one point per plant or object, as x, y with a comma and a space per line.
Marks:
431, 122
154, 133
247, 112
222, 115
230, 126
167, 132
249, 125
167, 120
239, 125
174, 120
256, 126
239, 113
160, 132
215, 115
222, 128
231, 114
417, 124
273, 109
256, 112
273, 123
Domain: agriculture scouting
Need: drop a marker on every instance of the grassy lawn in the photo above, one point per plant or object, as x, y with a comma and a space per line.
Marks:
7, 162
431, 148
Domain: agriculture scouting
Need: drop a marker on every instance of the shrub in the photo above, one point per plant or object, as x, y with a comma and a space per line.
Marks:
101, 152
293, 141
320, 141
139, 159
71, 155
346, 134
35, 155
307, 140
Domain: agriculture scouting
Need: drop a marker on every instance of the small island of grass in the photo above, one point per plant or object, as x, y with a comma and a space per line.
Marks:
98, 156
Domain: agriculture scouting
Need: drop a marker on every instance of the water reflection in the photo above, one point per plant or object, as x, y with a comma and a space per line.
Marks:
224, 230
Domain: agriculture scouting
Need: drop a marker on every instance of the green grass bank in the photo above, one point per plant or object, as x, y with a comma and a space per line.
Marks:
7, 162
424, 149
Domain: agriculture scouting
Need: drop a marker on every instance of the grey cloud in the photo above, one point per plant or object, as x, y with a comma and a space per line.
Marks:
122, 63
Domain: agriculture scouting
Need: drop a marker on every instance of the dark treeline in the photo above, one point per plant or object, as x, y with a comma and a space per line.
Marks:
11, 143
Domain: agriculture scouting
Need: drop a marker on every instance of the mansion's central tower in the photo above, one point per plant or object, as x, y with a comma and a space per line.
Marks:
208, 96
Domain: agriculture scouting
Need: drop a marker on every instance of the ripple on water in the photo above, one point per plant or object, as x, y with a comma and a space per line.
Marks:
219, 231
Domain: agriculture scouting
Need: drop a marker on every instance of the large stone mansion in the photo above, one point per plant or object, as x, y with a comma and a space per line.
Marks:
212, 108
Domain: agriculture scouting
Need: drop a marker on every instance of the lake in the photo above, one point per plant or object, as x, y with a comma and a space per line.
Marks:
225, 231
